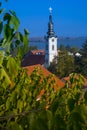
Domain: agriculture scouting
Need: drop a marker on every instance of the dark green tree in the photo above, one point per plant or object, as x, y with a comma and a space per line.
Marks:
71, 49
62, 47
81, 62
62, 65
32, 48
83, 50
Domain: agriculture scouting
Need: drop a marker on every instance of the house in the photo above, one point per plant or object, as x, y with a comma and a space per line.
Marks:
34, 57
77, 54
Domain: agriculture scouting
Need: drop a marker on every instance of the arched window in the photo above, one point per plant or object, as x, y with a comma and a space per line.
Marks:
52, 47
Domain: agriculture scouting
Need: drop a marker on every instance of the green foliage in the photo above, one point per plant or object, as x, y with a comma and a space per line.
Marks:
69, 107
14, 126
20, 94
65, 63
13, 42
32, 48
68, 48
62, 65
81, 62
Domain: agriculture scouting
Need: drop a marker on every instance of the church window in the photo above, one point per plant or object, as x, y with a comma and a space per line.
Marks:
52, 47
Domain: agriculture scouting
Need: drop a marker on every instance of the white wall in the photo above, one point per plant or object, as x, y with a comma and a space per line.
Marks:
51, 52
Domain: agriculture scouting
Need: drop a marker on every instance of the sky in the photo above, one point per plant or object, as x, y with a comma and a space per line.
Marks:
69, 16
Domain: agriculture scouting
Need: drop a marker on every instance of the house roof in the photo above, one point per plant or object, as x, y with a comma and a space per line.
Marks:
68, 78
37, 52
33, 60
30, 69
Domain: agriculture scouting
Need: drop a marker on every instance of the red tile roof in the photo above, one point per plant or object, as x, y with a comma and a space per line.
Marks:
37, 52
59, 83
68, 78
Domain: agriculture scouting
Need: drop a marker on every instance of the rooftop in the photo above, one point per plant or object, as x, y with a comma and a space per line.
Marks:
33, 60
46, 73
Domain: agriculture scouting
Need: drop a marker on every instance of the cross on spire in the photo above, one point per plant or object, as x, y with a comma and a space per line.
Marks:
50, 10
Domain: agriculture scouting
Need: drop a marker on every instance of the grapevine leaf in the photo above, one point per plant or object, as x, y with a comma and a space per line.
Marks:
14, 21
25, 40
7, 31
12, 12
26, 32
71, 103
20, 105
1, 57
12, 66
8, 104
4, 76
7, 17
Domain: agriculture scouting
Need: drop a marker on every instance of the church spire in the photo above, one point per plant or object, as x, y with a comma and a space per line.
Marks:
50, 32
51, 42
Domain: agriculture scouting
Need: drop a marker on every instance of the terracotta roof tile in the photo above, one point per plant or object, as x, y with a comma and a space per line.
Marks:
37, 52
30, 69
67, 79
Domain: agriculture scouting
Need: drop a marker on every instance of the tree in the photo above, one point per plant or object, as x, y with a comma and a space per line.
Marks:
74, 50
68, 48
83, 50
81, 62
62, 65
71, 49
32, 48
66, 62
62, 47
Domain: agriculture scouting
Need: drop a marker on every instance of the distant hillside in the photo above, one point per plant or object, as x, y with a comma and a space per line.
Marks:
41, 39
72, 41
36, 39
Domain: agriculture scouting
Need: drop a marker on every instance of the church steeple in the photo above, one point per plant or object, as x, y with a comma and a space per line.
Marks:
51, 42
50, 32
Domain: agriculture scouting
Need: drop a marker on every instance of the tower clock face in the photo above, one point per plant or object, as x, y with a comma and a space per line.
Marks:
52, 40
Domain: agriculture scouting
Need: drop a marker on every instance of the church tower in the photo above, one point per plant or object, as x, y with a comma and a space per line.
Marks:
51, 42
